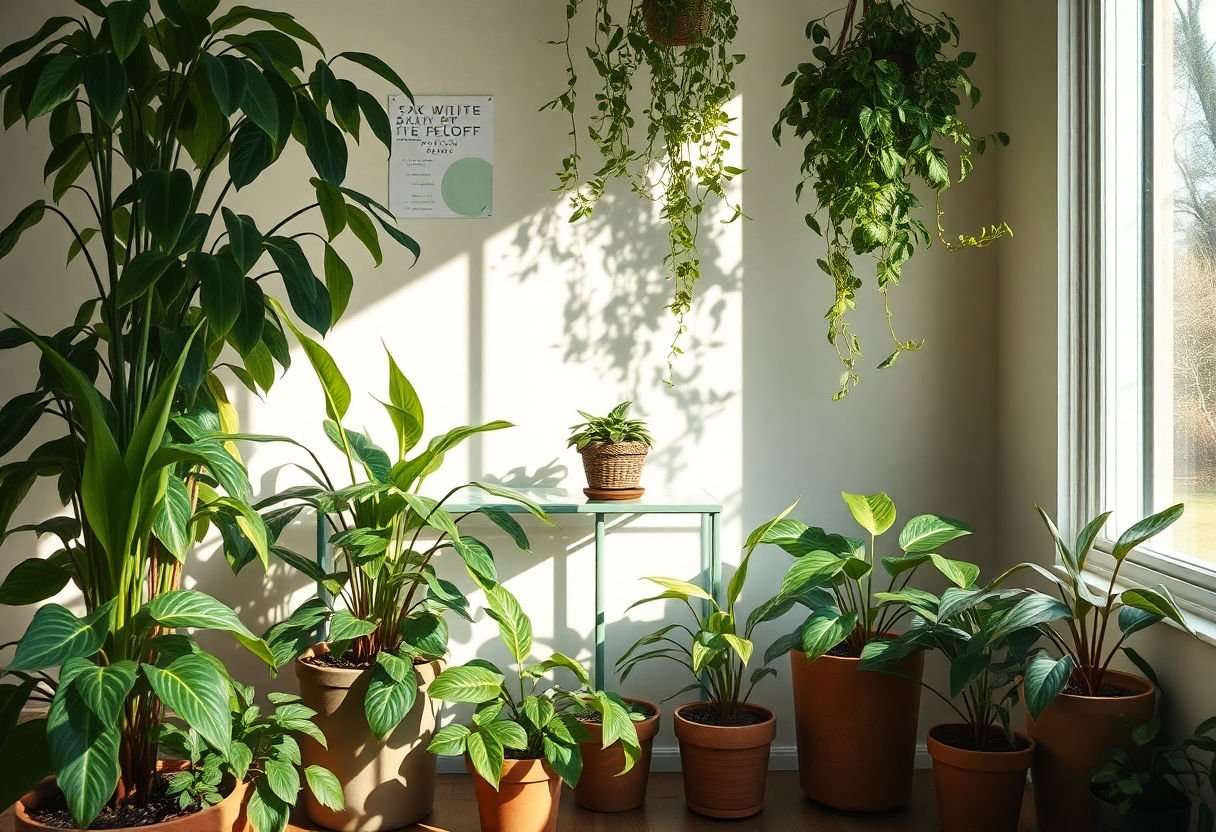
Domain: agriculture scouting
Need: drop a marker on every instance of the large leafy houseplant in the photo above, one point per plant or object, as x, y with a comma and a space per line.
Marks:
873, 107
679, 157
155, 117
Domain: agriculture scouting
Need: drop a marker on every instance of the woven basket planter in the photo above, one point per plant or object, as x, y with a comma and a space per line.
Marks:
686, 25
614, 465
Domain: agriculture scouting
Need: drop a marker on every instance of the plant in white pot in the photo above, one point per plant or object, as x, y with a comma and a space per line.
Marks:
614, 449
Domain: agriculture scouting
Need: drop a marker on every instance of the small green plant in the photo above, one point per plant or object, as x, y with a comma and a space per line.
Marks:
264, 754
612, 429
523, 720
1088, 645
872, 107
834, 576
1158, 775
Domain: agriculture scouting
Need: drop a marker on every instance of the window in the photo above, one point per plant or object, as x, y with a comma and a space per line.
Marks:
1141, 305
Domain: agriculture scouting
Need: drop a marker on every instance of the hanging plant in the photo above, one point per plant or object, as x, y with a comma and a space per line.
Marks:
678, 158
874, 109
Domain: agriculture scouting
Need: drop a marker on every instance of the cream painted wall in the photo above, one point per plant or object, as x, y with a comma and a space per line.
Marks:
525, 317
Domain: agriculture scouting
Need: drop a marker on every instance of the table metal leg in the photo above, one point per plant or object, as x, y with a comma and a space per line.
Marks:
325, 562
715, 555
599, 673
707, 564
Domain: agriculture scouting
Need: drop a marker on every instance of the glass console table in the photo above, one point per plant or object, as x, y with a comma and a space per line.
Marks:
557, 501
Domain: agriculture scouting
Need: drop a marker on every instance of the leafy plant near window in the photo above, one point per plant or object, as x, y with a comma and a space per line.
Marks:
264, 754
387, 535
679, 158
612, 429
536, 723
872, 108
834, 576
155, 117
1089, 644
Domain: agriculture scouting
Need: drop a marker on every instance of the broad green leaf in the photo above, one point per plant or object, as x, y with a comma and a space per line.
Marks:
198, 692
33, 580
958, 572
824, 630
267, 813
735, 588
449, 741
333, 207
283, 779
26, 218
1045, 677
1062, 549
1033, 610
362, 227
683, 589
486, 754
743, 647
24, 45
172, 521
477, 559
1133, 620
1157, 601
190, 608
514, 626
503, 519
105, 82
56, 636
325, 787
252, 152
84, 745
343, 626
259, 102
244, 239
221, 290
56, 83
25, 759
516, 497
562, 660
873, 512
333, 384
324, 143
226, 75
339, 281
811, 570
425, 634
1147, 528
467, 684
307, 295
926, 532
1089, 534
379, 67
125, 19
165, 199
391, 693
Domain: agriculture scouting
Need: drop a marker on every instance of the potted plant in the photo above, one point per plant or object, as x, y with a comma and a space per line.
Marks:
370, 681
678, 159
872, 107
724, 740
613, 449
611, 780
1151, 786
986, 635
154, 118
856, 730
523, 742
1077, 706
265, 762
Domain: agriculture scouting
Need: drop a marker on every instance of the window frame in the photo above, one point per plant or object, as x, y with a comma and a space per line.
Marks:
1083, 29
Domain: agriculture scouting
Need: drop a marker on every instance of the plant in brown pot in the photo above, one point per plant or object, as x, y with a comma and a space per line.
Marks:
613, 449
986, 635
1077, 705
523, 742
369, 681
724, 740
856, 730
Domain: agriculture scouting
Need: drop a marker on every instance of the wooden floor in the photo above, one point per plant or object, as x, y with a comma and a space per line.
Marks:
785, 810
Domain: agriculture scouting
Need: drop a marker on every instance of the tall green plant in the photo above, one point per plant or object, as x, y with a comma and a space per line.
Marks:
678, 160
156, 116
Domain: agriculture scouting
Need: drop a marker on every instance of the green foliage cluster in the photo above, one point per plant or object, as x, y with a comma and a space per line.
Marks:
872, 108
614, 428
679, 158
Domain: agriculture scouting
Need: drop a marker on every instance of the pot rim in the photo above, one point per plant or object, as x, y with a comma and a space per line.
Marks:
48, 787
974, 760
828, 659
349, 675
530, 770
1149, 689
770, 721
594, 446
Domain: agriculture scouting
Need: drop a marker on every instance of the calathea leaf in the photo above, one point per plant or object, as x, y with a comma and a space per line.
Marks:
56, 636
391, 693
198, 692
33, 580
165, 201
252, 152
183, 608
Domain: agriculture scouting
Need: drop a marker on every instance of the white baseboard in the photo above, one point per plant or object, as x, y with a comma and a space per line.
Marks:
667, 758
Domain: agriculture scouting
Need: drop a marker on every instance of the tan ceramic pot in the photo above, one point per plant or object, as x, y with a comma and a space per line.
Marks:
386, 784
856, 731
226, 816
978, 791
602, 787
725, 766
526, 800
1073, 734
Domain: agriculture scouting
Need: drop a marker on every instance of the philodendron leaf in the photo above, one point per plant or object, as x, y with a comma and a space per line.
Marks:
811, 570
325, 787
1144, 530
33, 580
486, 754
191, 608
958, 572
343, 626
1157, 601
449, 741
824, 630
514, 626
466, 684
684, 589
1132, 619
425, 634
926, 532
198, 692
55, 636
873, 512
1045, 677
391, 693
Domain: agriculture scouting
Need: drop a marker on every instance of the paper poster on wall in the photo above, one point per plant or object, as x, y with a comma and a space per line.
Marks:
442, 162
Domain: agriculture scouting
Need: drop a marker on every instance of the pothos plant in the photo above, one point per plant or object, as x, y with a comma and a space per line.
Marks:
521, 719
156, 116
679, 158
874, 107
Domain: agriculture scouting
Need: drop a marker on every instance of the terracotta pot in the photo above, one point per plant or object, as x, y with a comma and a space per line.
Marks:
978, 791
526, 800
602, 787
386, 784
856, 731
1073, 734
725, 766
226, 816
686, 24
1108, 818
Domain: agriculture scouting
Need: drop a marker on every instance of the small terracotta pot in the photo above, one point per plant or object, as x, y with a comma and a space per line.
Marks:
526, 800
856, 731
1108, 818
386, 784
978, 791
226, 816
1073, 734
602, 787
725, 766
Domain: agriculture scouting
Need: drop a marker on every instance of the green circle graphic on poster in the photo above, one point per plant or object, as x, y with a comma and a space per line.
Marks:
468, 187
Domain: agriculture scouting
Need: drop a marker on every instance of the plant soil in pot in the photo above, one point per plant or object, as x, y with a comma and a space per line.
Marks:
44, 809
725, 763
676, 22
526, 800
1072, 735
979, 789
387, 784
602, 787
856, 731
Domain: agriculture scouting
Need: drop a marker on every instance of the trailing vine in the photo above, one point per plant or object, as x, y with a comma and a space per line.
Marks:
873, 107
678, 159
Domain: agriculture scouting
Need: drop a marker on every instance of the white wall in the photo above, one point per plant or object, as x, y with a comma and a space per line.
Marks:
525, 317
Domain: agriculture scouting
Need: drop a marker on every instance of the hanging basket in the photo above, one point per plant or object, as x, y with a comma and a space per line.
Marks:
614, 465
676, 22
